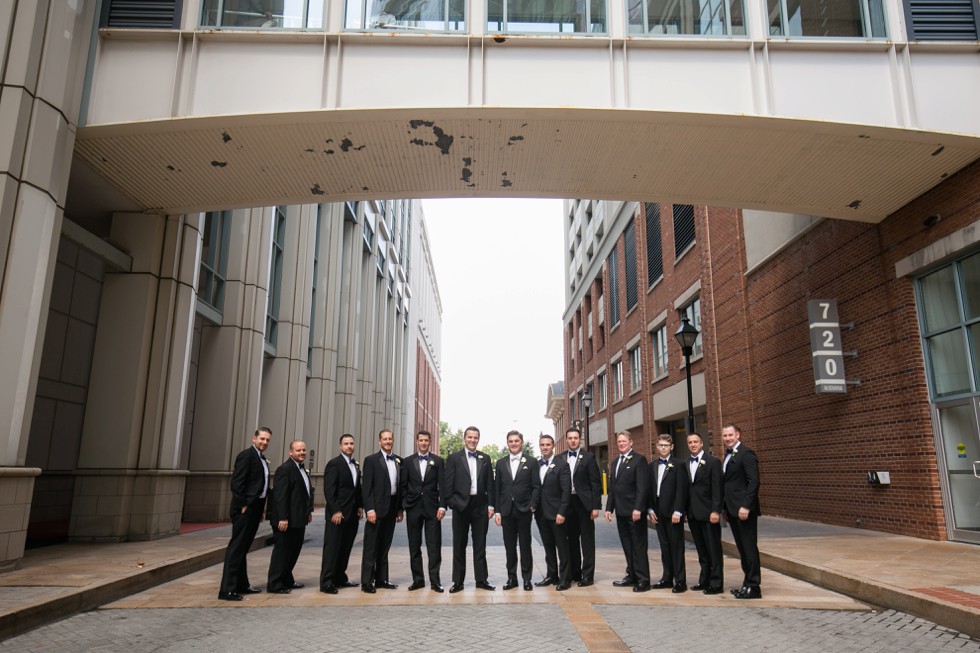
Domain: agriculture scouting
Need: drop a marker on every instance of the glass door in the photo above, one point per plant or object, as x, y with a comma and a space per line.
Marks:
958, 442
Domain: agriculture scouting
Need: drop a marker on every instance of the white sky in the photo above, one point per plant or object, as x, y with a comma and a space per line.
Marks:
499, 266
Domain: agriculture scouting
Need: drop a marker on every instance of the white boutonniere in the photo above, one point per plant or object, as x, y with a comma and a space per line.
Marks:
523, 460
398, 461
480, 456
670, 465
431, 463
629, 458
551, 466
700, 463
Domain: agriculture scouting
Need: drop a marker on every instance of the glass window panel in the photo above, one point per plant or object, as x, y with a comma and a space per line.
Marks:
547, 16
974, 331
959, 428
970, 280
964, 489
939, 306
263, 14
950, 370
676, 17
840, 18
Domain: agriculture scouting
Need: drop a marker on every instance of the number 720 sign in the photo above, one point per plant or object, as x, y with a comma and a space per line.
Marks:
825, 344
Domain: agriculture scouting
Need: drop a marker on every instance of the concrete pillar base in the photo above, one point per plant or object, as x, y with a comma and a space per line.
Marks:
208, 497
113, 505
16, 490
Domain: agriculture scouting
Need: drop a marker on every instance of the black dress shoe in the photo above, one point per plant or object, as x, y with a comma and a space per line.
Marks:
574, 579
329, 589
527, 586
457, 587
229, 596
296, 586
699, 587
585, 582
736, 590
713, 590
545, 582
561, 587
349, 583
368, 589
679, 588
661, 585
250, 590
484, 585
625, 581
281, 590
436, 587
510, 584
385, 585
417, 585
749, 593
642, 587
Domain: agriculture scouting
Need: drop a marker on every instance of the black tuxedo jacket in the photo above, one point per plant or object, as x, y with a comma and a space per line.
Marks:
456, 489
587, 480
340, 491
742, 482
376, 486
416, 491
628, 489
706, 491
673, 489
556, 489
247, 480
518, 493
290, 499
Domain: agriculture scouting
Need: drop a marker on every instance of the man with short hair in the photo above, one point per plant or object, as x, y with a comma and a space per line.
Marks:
741, 475
382, 507
554, 505
668, 502
586, 480
421, 479
249, 485
629, 488
342, 492
469, 491
704, 515
292, 510
517, 485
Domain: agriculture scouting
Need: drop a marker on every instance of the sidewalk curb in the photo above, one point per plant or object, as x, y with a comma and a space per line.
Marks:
97, 594
944, 613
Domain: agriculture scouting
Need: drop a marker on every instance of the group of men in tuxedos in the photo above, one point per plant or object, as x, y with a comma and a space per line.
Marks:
668, 490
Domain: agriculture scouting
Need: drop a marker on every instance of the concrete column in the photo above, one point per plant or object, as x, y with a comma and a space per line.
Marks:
349, 339
128, 485
226, 405
42, 56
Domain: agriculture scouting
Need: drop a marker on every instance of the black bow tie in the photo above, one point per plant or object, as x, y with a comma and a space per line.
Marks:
694, 459
572, 454
471, 454
543, 462
391, 457
729, 452
425, 457
662, 461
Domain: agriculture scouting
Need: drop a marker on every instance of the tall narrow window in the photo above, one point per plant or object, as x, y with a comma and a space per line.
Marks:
693, 314
658, 347
636, 373
617, 380
214, 259
629, 238
683, 228
613, 288
655, 253
275, 275
600, 397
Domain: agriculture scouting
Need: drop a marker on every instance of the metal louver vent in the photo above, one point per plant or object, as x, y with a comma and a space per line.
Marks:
942, 20
145, 14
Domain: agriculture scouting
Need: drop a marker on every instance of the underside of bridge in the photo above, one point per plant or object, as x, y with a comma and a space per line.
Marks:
852, 172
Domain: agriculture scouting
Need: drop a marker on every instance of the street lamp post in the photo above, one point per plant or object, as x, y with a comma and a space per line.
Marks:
686, 335
587, 405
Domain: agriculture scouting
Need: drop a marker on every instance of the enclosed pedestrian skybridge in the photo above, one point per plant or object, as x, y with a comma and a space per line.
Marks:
816, 107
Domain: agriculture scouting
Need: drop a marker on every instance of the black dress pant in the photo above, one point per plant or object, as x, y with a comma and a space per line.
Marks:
377, 542
517, 529
338, 540
557, 552
746, 534
285, 553
581, 542
244, 525
416, 523
707, 539
671, 538
471, 518
633, 537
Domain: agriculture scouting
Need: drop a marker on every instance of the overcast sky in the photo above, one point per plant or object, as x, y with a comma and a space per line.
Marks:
499, 268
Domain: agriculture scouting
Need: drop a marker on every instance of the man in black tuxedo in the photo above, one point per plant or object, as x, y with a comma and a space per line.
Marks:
249, 485
554, 505
517, 485
382, 509
629, 488
291, 509
741, 476
669, 487
421, 484
342, 492
704, 515
469, 491
584, 509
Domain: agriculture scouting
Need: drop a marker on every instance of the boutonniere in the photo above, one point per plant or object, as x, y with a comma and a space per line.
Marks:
398, 461
551, 466
670, 465
700, 463
431, 463
629, 458
479, 456
523, 460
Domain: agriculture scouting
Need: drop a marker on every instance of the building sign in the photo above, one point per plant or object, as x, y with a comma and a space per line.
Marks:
825, 344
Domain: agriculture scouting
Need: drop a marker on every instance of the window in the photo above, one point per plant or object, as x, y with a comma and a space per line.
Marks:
942, 20
600, 396
636, 373
408, 15
617, 380
275, 275
350, 211
629, 238
214, 259
683, 228
263, 14
588, 389
693, 314
316, 269
949, 315
658, 346
613, 288
686, 17
842, 18
655, 253
544, 16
